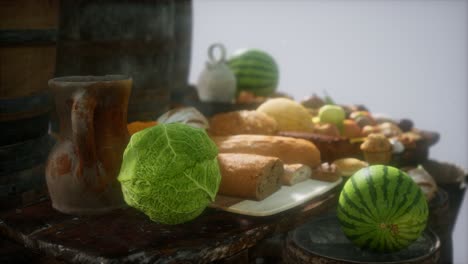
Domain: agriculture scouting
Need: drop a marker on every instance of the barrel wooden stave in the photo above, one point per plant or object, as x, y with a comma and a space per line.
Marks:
28, 14
23, 187
27, 62
27, 46
25, 69
98, 38
22, 168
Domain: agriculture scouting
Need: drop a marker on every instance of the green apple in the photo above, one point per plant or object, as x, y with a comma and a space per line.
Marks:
333, 114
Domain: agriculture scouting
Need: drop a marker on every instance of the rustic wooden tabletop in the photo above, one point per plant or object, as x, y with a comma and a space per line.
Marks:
128, 236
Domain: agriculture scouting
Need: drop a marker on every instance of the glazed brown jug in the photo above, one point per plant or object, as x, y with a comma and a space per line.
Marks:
83, 166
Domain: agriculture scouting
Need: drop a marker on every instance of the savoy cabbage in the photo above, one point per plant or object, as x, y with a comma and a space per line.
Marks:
170, 172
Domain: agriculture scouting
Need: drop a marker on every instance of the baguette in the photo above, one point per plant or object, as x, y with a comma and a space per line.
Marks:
249, 176
289, 150
295, 173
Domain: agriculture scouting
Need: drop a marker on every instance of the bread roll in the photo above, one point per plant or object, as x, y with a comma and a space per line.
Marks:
289, 150
249, 176
242, 122
326, 172
295, 173
348, 166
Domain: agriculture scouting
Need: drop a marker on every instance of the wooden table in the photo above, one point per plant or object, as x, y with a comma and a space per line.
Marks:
128, 236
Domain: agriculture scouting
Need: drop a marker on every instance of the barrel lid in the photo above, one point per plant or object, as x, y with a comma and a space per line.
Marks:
324, 238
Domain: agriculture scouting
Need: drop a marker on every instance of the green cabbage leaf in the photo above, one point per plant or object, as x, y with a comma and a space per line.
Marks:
170, 172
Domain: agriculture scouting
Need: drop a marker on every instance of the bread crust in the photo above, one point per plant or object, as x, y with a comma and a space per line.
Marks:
295, 173
242, 122
289, 150
249, 176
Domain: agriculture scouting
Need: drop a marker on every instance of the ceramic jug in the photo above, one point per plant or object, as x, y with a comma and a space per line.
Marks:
83, 166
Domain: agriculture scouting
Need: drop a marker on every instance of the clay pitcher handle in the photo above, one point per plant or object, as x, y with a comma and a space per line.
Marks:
82, 121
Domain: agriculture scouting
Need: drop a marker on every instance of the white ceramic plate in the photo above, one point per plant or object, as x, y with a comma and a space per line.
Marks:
285, 198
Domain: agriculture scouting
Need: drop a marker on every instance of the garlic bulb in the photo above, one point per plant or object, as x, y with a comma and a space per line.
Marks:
422, 178
185, 115
217, 82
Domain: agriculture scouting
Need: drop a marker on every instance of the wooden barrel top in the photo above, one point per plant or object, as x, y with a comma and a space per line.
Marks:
128, 236
322, 241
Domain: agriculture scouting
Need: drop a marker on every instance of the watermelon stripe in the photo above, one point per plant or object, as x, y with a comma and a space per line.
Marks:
408, 236
410, 222
415, 201
347, 225
356, 235
372, 192
376, 240
410, 232
251, 80
407, 186
386, 183
353, 217
241, 66
359, 209
417, 225
395, 242
391, 242
254, 66
396, 194
255, 73
411, 225
408, 196
364, 238
256, 57
359, 233
361, 199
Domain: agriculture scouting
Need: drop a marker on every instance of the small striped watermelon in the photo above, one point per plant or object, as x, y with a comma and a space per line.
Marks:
256, 72
381, 209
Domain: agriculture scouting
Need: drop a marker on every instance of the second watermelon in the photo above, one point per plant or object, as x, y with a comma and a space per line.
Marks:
256, 71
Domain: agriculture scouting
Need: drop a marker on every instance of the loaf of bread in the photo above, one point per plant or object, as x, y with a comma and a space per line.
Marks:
242, 122
331, 148
289, 150
295, 173
249, 176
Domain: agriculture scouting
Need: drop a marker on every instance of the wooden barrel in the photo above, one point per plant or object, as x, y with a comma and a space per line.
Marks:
439, 222
24, 118
22, 167
27, 46
148, 40
453, 180
27, 62
322, 241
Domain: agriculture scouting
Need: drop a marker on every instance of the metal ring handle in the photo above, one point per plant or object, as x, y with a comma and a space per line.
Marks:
211, 53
